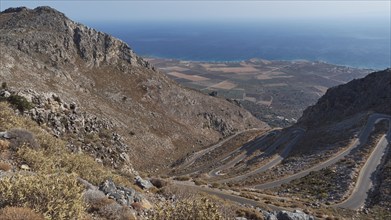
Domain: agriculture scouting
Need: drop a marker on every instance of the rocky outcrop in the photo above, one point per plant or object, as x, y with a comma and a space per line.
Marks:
144, 184
83, 131
296, 215
369, 94
286, 215
122, 195
60, 39
216, 123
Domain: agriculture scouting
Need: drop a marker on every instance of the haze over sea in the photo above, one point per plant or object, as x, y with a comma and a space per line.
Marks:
364, 44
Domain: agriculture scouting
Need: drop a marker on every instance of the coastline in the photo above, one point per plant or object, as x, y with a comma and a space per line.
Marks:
169, 59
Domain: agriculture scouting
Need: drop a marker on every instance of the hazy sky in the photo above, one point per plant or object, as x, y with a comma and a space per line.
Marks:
185, 10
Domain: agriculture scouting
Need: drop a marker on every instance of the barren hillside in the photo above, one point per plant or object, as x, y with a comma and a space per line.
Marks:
44, 54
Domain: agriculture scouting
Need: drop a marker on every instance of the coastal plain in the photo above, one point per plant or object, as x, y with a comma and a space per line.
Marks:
276, 92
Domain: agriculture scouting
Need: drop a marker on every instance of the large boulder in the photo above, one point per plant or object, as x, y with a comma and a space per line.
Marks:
144, 184
295, 215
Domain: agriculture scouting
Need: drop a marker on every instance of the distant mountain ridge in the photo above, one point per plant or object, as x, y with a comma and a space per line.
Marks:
43, 52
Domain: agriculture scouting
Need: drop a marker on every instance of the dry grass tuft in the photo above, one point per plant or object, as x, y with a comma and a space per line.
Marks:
5, 166
182, 178
200, 209
22, 137
57, 196
19, 213
4, 145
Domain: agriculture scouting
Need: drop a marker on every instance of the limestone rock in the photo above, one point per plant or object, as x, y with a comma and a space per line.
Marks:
296, 215
144, 184
122, 195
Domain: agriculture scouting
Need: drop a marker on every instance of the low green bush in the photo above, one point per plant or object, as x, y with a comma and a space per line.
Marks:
20, 103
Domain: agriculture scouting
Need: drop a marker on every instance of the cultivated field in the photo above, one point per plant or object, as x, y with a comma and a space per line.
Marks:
275, 91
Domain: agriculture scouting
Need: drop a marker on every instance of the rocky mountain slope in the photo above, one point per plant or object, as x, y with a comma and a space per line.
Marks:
369, 94
57, 63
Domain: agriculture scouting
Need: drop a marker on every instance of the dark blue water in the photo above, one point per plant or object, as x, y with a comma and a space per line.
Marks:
358, 44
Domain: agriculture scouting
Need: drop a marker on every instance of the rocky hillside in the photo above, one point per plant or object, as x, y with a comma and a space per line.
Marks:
75, 75
369, 94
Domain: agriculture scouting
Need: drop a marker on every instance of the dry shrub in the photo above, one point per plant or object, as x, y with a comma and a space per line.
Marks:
200, 182
114, 211
106, 208
179, 192
4, 145
52, 155
96, 200
19, 213
137, 206
158, 183
182, 178
200, 209
216, 185
57, 196
20, 137
249, 214
85, 166
20, 103
4, 166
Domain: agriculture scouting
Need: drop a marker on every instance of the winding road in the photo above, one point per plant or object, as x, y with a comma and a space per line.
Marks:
362, 139
189, 161
245, 150
296, 132
364, 181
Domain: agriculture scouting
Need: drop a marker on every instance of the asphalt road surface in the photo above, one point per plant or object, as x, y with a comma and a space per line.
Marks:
364, 181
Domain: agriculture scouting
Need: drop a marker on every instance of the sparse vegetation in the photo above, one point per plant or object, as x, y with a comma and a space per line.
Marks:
199, 182
57, 196
158, 183
4, 145
106, 208
19, 213
4, 85
182, 178
22, 137
249, 214
4, 166
52, 188
200, 209
20, 103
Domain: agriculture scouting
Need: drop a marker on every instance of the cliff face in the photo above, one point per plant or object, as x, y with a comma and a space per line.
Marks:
369, 94
50, 34
43, 52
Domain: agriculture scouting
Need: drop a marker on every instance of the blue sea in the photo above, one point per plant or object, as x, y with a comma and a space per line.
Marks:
364, 44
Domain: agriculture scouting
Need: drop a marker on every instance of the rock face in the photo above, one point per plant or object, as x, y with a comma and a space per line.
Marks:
95, 48
156, 119
122, 195
372, 93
